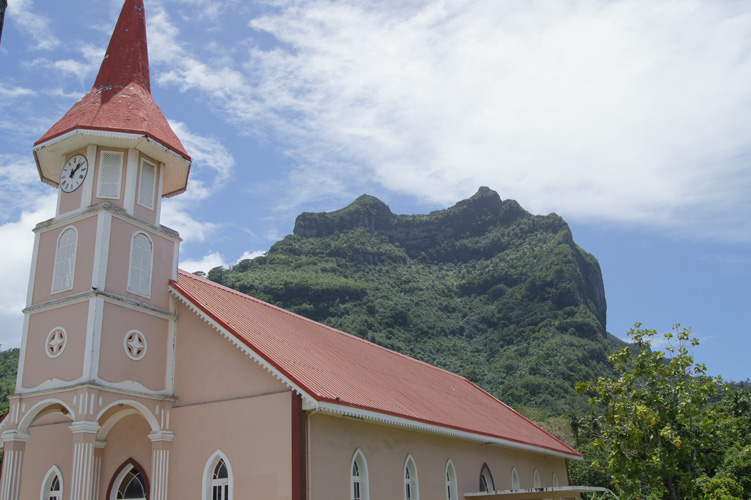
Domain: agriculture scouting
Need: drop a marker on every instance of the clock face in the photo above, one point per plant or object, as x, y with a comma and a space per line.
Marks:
73, 173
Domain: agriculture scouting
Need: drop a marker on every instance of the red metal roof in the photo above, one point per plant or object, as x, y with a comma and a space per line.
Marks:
334, 367
120, 100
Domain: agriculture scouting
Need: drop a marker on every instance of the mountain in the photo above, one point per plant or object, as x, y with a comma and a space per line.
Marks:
483, 288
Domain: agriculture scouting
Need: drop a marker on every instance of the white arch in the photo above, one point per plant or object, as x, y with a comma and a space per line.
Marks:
412, 481
452, 492
537, 481
59, 270
362, 464
514, 479
35, 410
135, 405
208, 472
54, 471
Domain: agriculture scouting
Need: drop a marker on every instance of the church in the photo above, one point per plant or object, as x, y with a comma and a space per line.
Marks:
137, 380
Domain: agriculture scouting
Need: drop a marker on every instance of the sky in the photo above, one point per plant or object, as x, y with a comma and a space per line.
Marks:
631, 119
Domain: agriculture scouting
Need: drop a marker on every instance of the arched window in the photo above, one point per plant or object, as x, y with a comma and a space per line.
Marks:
217, 478
486, 479
139, 275
411, 485
538, 483
65, 260
359, 489
452, 492
52, 486
130, 483
555, 480
514, 479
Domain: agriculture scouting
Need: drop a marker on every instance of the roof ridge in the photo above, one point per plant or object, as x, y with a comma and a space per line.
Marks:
190, 275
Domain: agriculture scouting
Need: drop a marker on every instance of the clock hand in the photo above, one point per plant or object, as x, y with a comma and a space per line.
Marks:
75, 169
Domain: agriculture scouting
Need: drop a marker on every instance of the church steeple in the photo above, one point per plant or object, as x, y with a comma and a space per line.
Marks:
119, 106
127, 57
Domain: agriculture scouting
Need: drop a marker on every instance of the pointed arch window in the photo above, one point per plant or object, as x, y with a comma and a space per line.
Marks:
52, 486
486, 479
359, 488
514, 479
452, 491
217, 480
411, 485
130, 483
555, 480
65, 260
537, 482
141, 258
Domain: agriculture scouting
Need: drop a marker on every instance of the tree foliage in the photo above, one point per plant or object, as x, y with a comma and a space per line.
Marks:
659, 430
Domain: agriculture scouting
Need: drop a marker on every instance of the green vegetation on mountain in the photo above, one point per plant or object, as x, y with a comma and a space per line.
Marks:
484, 289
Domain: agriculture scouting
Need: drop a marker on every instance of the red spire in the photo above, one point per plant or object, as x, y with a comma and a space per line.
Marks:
121, 100
127, 57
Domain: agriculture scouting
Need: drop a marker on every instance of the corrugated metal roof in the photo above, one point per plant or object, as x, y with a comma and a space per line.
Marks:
334, 367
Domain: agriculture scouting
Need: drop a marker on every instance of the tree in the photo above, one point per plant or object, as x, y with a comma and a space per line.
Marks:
658, 428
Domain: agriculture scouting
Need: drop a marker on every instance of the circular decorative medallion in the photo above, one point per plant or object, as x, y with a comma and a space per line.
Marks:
135, 345
55, 342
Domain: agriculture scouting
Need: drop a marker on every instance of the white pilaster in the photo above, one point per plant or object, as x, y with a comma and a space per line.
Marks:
84, 440
161, 442
13, 450
131, 176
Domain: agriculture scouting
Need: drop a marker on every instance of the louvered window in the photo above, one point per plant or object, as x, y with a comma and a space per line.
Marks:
110, 173
147, 185
65, 261
139, 276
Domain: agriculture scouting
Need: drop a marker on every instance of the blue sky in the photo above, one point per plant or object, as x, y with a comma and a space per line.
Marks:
628, 118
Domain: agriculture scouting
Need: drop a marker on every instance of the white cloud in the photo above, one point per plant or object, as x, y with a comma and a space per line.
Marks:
207, 263
632, 111
36, 26
251, 255
16, 258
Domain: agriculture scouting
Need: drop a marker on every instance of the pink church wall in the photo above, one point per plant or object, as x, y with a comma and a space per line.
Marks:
334, 442
209, 367
227, 402
128, 439
46, 260
38, 367
115, 365
117, 276
50, 444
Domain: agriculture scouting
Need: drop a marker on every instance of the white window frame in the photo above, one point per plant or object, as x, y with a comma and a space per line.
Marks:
411, 480
452, 490
147, 202
514, 479
100, 177
208, 475
537, 482
555, 479
53, 473
121, 477
131, 286
487, 478
362, 479
58, 268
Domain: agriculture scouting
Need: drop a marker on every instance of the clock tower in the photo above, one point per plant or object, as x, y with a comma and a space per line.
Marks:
99, 329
